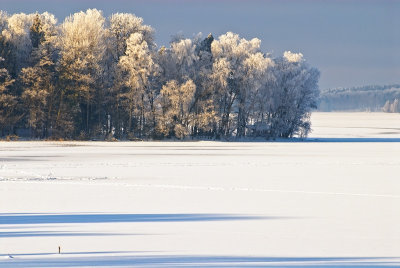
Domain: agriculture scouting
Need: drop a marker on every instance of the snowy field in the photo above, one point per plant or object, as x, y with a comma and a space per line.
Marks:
332, 200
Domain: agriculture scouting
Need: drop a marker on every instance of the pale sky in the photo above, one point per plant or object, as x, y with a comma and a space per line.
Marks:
353, 43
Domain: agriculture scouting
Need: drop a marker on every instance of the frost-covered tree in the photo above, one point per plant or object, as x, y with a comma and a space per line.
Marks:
396, 106
39, 81
186, 60
3, 20
17, 34
184, 57
34, 99
91, 77
138, 98
7, 50
392, 107
120, 28
386, 107
82, 45
36, 32
238, 72
294, 94
203, 105
174, 117
178, 61
8, 102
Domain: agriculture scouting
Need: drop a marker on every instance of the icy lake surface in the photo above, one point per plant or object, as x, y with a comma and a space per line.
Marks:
331, 200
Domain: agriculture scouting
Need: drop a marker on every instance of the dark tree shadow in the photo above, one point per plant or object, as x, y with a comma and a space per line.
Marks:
104, 218
196, 261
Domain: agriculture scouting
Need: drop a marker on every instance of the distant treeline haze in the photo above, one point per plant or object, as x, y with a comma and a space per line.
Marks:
92, 77
365, 98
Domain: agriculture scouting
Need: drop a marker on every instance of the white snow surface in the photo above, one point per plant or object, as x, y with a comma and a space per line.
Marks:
331, 200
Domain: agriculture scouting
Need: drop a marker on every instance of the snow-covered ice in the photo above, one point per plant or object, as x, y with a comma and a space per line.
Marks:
331, 200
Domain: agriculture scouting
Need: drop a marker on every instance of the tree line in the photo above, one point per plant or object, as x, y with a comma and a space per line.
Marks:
96, 77
371, 98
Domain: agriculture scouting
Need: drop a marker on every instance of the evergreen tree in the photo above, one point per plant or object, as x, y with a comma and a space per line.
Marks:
36, 32
8, 102
39, 81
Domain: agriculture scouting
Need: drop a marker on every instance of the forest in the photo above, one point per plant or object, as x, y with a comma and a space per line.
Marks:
92, 77
371, 98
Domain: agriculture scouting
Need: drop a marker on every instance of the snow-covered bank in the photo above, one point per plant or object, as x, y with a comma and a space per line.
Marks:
356, 126
214, 204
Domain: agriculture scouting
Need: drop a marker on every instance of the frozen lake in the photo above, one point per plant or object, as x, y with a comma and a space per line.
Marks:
332, 200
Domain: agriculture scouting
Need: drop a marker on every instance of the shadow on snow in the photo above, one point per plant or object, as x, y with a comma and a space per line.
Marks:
60, 260
51, 234
6, 218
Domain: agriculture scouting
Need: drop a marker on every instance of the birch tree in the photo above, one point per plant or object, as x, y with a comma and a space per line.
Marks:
295, 93
175, 119
138, 66
121, 27
238, 71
